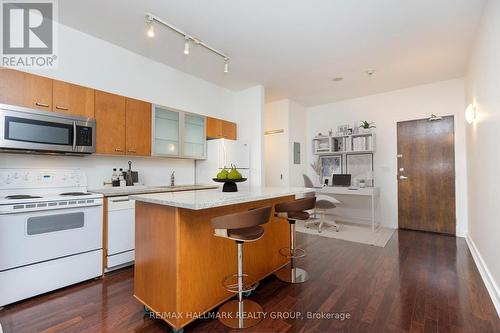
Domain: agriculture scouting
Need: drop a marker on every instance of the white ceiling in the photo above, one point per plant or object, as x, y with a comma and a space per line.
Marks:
294, 48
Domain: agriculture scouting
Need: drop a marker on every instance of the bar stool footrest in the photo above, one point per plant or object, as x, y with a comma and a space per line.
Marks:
297, 253
230, 283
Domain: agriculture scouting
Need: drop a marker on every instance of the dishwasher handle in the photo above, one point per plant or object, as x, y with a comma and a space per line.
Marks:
119, 203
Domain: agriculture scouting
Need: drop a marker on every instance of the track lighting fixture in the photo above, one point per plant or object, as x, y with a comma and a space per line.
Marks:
151, 19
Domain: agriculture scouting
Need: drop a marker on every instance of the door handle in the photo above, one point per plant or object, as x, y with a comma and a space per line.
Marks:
42, 104
403, 177
120, 150
62, 108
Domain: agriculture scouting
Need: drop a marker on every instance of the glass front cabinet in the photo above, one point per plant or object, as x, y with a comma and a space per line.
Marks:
178, 133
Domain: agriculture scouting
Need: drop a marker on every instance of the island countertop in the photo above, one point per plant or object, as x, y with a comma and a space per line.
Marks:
179, 263
204, 199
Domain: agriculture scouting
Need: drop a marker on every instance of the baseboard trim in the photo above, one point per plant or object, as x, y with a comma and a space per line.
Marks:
488, 280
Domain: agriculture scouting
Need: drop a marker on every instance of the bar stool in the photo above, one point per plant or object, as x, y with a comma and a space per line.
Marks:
293, 211
241, 227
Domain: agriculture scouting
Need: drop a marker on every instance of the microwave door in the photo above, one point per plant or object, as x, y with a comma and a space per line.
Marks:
36, 132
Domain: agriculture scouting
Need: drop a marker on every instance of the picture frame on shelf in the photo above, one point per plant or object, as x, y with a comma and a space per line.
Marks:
360, 166
342, 130
331, 165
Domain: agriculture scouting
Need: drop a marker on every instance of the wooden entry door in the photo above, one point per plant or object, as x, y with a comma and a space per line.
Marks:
426, 175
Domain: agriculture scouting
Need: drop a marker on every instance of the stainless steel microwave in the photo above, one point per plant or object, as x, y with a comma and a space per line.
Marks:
26, 130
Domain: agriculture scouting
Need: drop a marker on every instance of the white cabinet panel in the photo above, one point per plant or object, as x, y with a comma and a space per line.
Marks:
194, 137
178, 134
166, 132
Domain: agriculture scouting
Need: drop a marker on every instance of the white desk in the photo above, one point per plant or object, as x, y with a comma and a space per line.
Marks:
372, 192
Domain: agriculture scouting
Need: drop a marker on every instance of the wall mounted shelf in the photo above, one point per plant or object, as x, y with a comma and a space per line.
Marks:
345, 144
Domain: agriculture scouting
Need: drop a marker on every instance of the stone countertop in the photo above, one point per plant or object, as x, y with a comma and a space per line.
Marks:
131, 190
205, 199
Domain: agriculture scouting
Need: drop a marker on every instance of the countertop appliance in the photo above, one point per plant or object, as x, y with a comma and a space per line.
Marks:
50, 231
25, 130
222, 153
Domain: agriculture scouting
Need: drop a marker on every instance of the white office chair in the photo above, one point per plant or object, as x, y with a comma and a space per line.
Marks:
322, 205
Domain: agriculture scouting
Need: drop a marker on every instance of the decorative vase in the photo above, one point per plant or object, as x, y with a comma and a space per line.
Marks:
365, 130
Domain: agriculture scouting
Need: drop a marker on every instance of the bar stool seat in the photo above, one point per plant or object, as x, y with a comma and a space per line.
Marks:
302, 216
246, 234
241, 227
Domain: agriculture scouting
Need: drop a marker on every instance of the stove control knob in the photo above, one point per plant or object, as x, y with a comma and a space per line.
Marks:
8, 180
16, 175
26, 176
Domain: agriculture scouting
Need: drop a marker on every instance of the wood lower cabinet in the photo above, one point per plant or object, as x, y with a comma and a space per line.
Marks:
72, 99
218, 129
110, 119
138, 127
23, 89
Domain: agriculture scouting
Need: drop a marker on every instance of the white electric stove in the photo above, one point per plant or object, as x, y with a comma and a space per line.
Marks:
50, 231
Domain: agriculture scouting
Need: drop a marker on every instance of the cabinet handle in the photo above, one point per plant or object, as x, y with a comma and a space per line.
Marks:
62, 108
42, 104
119, 150
132, 151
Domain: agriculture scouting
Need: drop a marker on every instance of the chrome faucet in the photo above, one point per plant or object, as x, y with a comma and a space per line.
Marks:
172, 179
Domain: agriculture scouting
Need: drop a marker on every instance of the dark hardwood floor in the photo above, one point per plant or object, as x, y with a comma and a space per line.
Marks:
419, 282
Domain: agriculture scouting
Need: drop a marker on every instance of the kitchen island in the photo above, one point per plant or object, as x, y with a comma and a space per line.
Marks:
180, 264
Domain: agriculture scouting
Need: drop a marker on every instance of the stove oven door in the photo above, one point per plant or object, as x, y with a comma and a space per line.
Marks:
32, 237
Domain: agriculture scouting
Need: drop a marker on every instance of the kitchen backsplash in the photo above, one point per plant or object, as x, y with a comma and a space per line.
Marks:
152, 171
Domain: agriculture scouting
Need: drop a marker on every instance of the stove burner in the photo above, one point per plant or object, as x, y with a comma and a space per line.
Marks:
21, 196
74, 194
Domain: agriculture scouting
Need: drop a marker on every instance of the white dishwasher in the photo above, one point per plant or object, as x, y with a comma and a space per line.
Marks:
121, 232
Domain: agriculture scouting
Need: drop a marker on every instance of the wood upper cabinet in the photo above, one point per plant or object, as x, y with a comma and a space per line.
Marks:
37, 92
214, 128
73, 99
218, 129
23, 89
138, 127
110, 122
229, 130
11, 87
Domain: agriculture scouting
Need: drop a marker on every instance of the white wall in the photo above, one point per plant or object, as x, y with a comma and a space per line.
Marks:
288, 116
276, 157
95, 63
297, 133
442, 98
483, 158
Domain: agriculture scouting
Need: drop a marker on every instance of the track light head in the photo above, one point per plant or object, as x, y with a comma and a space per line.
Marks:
186, 45
226, 65
151, 31
151, 28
